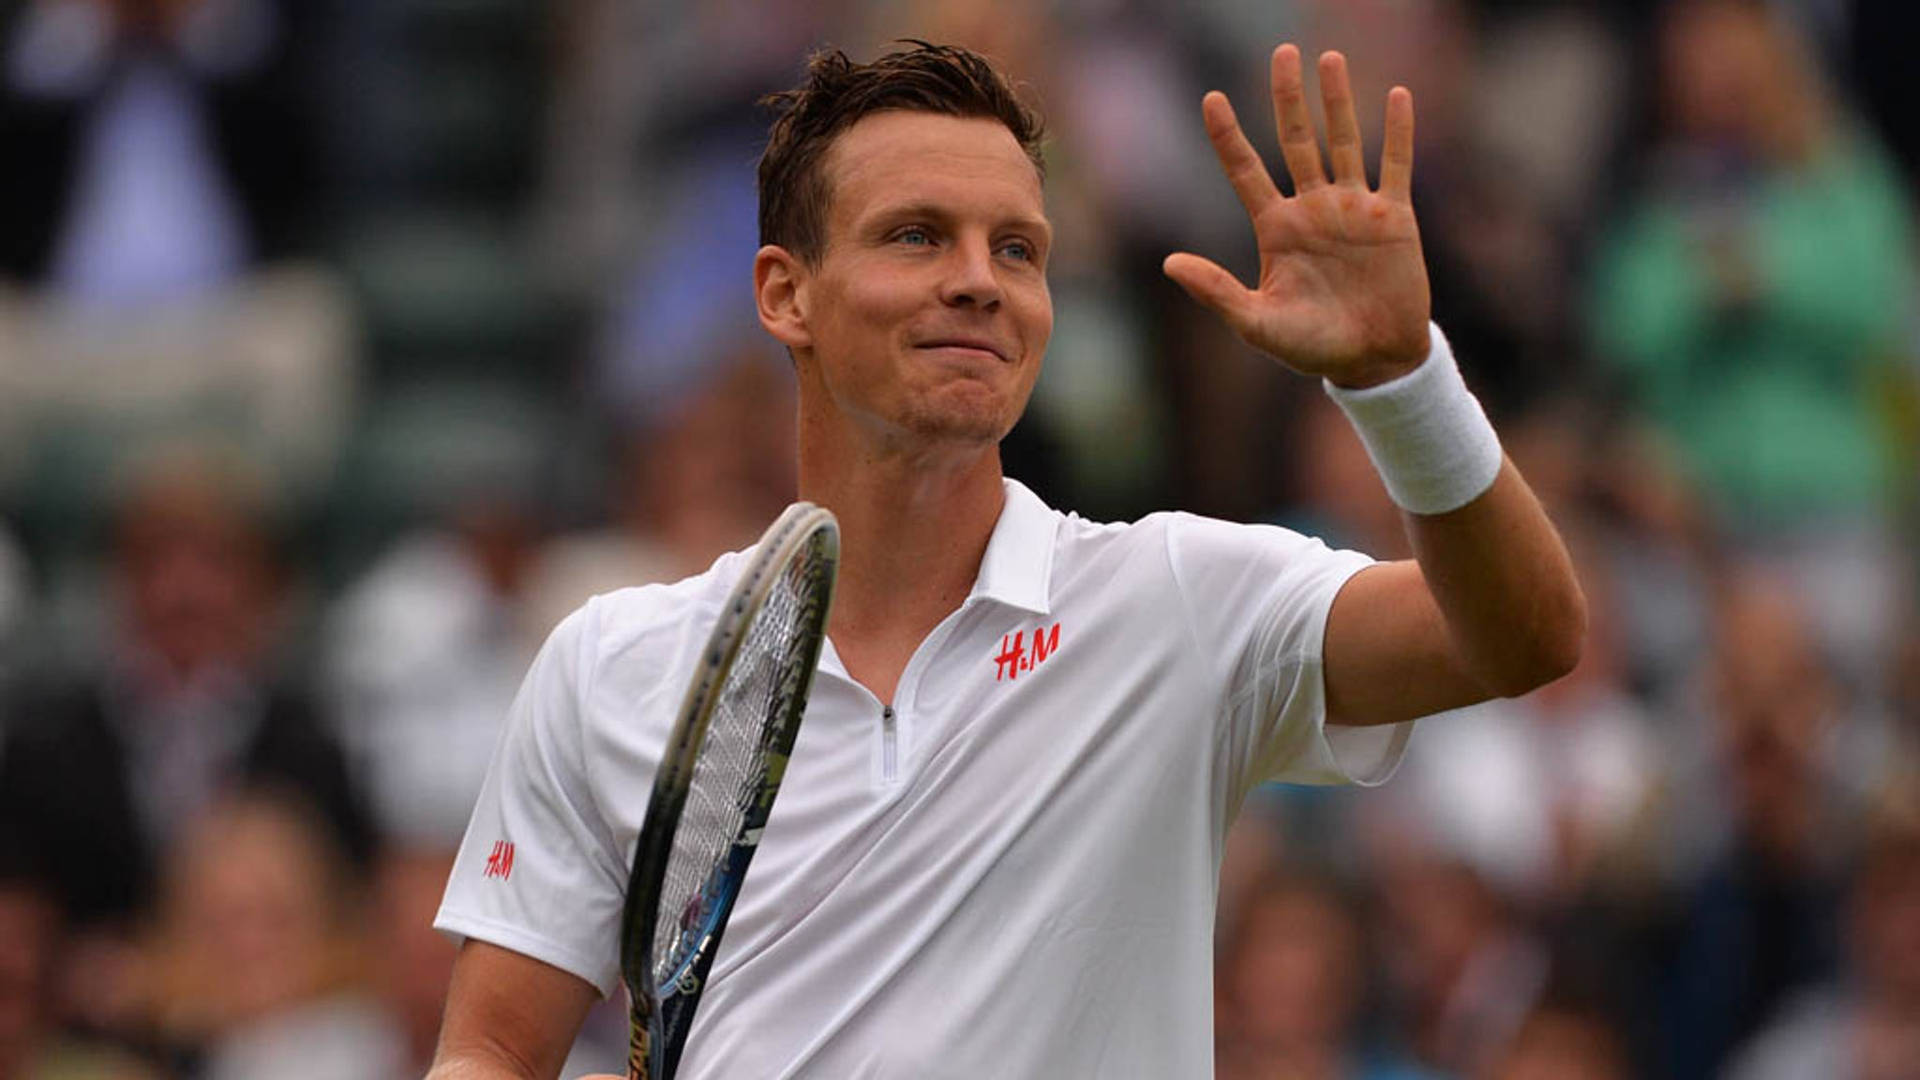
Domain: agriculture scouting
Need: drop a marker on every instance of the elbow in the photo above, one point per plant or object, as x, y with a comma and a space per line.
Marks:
1547, 650
1559, 653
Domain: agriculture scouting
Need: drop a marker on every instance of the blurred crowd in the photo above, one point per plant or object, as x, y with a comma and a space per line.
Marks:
345, 345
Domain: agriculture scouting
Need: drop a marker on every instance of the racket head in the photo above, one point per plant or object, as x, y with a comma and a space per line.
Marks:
752, 680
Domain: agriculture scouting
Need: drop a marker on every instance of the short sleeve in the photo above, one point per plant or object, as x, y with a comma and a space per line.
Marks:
539, 872
1256, 598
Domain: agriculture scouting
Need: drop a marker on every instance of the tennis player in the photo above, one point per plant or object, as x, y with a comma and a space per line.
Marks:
996, 849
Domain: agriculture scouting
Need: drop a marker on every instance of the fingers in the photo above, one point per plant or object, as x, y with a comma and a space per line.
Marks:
1244, 169
1343, 127
1299, 145
1210, 284
1297, 142
1396, 156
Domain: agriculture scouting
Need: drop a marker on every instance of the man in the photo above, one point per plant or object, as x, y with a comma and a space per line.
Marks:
995, 850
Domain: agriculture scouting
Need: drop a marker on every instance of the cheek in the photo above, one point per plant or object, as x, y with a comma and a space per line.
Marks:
875, 302
853, 337
1030, 302
1034, 317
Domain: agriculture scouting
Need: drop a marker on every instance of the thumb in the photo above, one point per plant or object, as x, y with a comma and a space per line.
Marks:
1210, 284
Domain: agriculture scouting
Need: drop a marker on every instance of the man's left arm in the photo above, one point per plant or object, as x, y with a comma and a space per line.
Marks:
1490, 605
1491, 608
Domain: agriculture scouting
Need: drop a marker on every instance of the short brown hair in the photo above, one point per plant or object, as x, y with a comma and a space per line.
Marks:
837, 92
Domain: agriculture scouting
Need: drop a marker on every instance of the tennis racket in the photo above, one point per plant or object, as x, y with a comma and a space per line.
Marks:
718, 778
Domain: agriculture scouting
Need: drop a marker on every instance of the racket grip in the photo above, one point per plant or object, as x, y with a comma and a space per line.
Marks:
639, 1049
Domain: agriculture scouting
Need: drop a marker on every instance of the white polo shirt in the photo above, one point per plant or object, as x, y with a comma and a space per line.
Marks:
1011, 873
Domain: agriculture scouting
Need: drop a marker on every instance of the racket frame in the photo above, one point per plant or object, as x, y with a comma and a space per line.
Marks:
662, 1014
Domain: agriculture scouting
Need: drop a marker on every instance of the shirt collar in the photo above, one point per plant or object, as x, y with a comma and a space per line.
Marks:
1018, 564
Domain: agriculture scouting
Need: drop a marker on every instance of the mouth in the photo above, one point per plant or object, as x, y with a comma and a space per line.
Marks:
977, 347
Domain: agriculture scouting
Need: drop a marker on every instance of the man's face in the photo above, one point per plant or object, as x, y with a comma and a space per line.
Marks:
928, 310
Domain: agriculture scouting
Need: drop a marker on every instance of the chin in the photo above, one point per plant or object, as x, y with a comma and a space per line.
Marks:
961, 414
982, 427
957, 430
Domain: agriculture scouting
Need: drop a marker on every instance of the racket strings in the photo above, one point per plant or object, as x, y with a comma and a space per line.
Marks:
731, 768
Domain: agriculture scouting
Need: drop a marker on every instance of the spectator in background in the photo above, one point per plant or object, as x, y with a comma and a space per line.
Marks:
161, 187
411, 960
184, 703
1867, 1027
1463, 971
703, 475
420, 656
699, 403
1291, 987
1517, 108
260, 963
156, 148
424, 651
1340, 495
1558, 1042
1760, 833
1537, 792
32, 1046
1755, 297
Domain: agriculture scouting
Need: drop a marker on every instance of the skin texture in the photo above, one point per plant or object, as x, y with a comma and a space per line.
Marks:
922, 327
1343, 287
917, 336
508, 1016
916, 339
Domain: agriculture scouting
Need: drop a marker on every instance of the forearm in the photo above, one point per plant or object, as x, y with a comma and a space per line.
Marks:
471, 1069
1491, 607
509, 1016
1504, 585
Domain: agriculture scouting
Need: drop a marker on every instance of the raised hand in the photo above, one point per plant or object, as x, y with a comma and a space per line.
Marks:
1343, 284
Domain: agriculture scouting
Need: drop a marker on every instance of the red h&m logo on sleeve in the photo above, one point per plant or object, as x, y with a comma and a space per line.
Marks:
1015, 657
500, 863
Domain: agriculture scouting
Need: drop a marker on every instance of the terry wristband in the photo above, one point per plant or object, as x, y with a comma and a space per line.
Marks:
1427, 435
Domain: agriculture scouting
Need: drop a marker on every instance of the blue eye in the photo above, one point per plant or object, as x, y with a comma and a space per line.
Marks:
914, 234
1018, 249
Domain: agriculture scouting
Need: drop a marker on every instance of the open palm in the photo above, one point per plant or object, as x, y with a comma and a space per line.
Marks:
1343, 285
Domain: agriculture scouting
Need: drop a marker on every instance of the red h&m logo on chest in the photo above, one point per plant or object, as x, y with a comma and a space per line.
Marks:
1015, 657
500, 863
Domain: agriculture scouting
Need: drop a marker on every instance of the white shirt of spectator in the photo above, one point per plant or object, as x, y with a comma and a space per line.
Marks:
1013, 873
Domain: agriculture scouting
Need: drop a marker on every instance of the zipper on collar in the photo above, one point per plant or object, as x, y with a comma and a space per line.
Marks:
889, 754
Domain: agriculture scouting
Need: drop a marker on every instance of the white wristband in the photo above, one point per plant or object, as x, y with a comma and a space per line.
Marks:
1427, 435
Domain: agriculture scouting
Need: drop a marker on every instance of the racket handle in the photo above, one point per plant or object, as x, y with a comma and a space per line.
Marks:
639, 1049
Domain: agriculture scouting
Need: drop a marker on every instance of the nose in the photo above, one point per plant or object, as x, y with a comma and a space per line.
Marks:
970, 280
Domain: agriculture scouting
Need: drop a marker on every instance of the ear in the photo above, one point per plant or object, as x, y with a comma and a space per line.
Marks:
780, 290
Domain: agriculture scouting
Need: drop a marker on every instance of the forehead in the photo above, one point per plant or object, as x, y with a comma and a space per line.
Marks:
901, 157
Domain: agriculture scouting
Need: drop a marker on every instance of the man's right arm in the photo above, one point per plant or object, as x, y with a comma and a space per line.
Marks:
509, 1016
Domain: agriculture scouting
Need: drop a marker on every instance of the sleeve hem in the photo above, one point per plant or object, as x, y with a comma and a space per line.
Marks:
1367, 756
1308, 755
1364, 755
456, 924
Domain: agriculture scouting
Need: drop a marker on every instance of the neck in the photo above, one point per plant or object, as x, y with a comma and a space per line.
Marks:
914, 526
